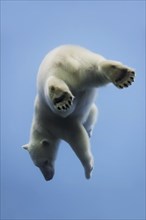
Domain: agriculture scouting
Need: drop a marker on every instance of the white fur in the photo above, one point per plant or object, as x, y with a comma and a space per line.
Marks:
64, 105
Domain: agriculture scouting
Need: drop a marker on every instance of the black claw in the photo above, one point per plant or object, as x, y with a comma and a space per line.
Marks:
125, 85
121, 87
63, 107
67, 106
59, 108
129, 82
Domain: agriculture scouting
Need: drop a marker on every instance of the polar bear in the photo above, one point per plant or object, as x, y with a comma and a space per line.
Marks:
65, 103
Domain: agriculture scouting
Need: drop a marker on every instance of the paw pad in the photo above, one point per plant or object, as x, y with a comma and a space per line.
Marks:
64, 103
126, 80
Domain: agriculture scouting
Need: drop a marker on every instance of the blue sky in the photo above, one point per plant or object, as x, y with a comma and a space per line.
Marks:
115, 29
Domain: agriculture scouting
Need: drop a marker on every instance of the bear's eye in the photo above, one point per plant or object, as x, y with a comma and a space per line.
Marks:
45, 143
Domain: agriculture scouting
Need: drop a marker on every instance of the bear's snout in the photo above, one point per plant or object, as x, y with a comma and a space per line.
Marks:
48, 172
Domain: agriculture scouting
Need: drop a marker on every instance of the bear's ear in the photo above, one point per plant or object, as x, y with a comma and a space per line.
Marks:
25, 146
45, 143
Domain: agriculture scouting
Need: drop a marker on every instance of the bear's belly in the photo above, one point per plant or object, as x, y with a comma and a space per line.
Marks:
83, 102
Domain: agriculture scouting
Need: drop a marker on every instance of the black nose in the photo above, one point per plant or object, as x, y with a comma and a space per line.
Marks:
48, 172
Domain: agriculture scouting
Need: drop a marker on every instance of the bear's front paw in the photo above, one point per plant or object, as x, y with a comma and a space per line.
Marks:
124, 78
63, 102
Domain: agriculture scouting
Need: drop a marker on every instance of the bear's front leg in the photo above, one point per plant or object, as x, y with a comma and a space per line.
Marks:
117, 73
59, 96
123, 78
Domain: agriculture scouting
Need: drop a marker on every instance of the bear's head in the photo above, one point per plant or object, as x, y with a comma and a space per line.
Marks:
43, 154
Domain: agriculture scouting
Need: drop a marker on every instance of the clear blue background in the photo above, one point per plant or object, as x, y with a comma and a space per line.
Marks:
114, 29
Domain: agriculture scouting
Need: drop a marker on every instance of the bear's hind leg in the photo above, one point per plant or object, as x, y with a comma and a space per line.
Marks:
91, 120
81, 146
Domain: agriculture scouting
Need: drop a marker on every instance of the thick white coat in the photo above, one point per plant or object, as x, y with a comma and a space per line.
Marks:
64, 106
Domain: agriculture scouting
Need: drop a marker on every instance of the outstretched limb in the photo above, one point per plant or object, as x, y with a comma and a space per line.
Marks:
91, 120
117, 73
81, 146
58, 96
